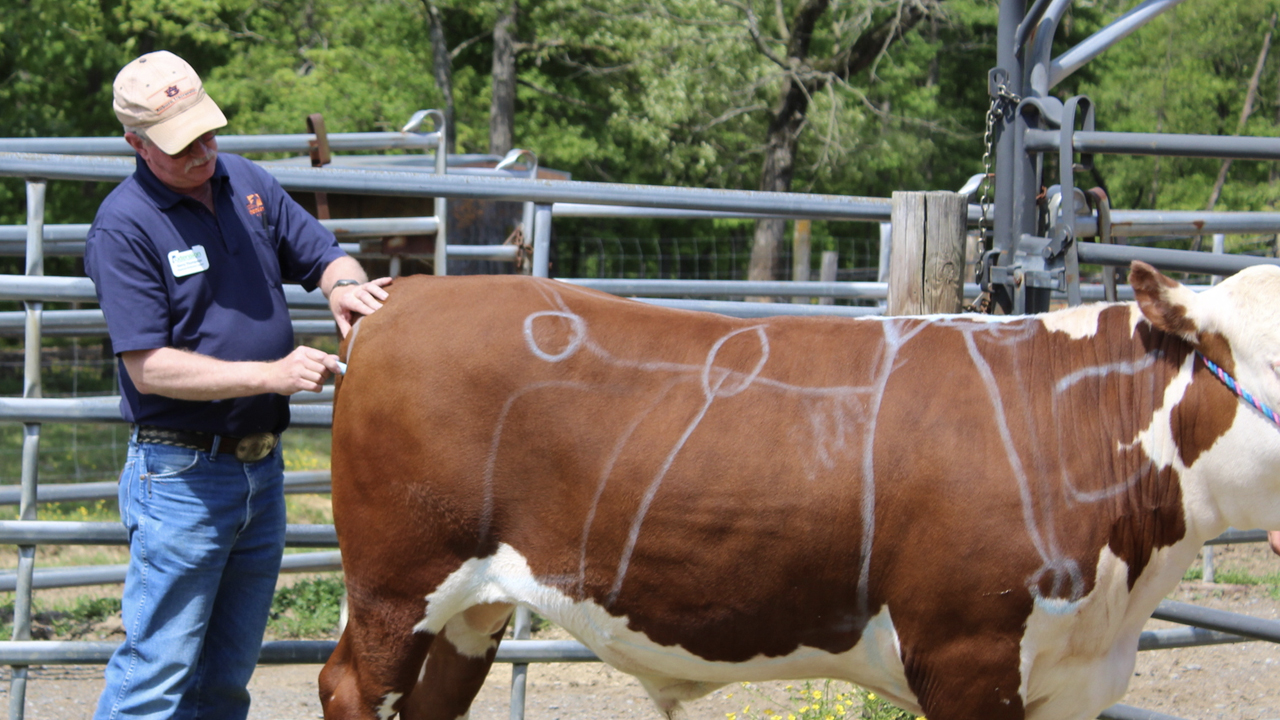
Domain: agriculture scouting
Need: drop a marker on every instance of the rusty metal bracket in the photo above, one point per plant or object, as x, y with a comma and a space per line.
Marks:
319, 158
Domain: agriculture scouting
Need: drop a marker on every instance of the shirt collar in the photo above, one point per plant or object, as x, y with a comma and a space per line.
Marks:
161, 194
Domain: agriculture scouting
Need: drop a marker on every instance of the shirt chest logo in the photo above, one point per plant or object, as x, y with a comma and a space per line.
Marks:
188, 262
254, 204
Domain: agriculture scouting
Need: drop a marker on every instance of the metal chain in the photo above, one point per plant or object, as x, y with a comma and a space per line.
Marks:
1001, 104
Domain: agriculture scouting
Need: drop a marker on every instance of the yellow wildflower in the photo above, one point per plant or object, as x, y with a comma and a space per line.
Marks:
871, 696
817, 694
840, 709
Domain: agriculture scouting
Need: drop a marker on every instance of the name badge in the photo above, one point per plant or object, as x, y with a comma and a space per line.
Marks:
188, 262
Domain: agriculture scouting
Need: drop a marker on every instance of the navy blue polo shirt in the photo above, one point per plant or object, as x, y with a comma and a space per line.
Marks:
144, 252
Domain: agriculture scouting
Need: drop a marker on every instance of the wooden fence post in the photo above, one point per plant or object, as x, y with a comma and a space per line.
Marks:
926, 266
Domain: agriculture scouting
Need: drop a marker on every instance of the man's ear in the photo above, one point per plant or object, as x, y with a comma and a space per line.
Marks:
1166, 303
134, 141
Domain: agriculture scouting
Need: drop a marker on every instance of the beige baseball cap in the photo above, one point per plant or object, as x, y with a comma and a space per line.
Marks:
160, 93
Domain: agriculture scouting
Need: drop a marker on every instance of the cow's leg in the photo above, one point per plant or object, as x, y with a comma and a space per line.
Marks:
459, 660
376, 663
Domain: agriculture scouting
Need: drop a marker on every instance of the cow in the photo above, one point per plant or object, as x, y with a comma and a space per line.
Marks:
973, 516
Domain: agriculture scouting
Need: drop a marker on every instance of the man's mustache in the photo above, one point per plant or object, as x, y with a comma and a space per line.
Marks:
210, 156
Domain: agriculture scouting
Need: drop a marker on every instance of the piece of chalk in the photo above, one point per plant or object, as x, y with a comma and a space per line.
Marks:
342, 368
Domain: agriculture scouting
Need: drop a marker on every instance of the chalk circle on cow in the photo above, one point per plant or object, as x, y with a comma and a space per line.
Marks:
703, 500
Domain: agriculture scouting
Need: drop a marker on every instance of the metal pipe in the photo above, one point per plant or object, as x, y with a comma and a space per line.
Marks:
761, 310
62, 532
440, 206
1220, 620
400, 184
1127, 712
542, 240
299, 143
277, 652
295, 482
31, 389
1163, 144
1042, 51
519, 671
50, 578
682, 288
1185, 637
1094, 45
1179, 260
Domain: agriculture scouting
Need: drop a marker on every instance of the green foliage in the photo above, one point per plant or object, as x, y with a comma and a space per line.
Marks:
61, 622
819, 700
308, 608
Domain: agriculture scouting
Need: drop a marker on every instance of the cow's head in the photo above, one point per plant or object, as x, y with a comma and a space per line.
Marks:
1236, 324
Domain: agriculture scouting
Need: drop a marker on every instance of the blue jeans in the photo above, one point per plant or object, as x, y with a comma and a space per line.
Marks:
206, 534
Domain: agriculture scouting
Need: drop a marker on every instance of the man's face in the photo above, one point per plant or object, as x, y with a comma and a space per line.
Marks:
186, 171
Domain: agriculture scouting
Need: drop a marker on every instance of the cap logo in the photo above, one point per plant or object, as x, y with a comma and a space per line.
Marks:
254, 204
171, 91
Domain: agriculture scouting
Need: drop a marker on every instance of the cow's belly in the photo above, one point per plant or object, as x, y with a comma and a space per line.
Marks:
669, 673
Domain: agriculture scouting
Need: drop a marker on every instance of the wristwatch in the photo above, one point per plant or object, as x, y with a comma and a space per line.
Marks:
343, 283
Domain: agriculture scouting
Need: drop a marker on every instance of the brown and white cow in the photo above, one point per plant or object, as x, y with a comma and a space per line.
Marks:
972, 516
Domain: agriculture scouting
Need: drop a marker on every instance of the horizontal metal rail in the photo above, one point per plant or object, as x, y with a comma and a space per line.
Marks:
91, 323
279, 652
416, 184
295, 482
1163, 144
1182, 223
62, 532
1186, 637
49, 578
1179, 260
1128, 712
1220, 620
761, 310
292, 143
107, 409
52, 652
680, 288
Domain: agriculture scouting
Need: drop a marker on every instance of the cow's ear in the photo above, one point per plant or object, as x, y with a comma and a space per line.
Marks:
1166, 303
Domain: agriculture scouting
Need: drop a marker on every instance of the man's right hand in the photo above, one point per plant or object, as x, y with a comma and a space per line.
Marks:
305, 368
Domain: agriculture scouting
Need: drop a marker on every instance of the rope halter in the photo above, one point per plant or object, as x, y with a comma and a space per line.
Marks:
1230, 382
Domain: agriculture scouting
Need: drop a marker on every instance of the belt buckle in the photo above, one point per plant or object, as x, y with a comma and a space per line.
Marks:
253, 448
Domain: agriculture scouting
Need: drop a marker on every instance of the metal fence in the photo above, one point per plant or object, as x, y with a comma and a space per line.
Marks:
546, 199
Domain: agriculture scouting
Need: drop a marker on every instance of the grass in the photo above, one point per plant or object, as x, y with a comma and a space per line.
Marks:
307, 609
1233, 576
819, 700
70, 620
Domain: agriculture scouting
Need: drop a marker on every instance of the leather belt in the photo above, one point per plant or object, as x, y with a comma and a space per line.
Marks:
247, 449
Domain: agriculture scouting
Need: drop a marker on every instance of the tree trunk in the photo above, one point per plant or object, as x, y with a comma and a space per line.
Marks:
779, 168
442, 68
502, 110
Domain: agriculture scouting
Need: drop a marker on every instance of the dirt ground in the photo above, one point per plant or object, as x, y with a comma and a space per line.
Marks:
1240, 682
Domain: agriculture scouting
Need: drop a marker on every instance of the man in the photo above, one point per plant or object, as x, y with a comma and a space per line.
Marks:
188, 256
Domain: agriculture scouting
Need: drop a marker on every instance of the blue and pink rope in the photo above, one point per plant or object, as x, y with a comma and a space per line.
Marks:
1230, 382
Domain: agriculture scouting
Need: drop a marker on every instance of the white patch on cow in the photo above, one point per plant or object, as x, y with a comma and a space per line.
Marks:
1076, 663
386, 710
1077, 322
1157, 439
671, 673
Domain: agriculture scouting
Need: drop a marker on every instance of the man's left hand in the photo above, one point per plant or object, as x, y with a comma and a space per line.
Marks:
351, 301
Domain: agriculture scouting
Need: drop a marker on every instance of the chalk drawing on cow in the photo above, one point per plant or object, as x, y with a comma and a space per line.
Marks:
973, 517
